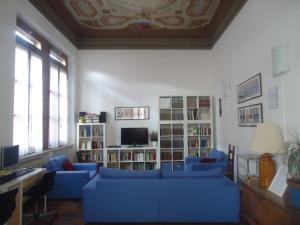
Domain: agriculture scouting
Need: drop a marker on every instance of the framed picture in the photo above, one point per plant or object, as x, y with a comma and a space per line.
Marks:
249, 89
250, 115
132, 113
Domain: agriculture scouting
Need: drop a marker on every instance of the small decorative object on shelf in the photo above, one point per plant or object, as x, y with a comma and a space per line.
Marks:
153, 138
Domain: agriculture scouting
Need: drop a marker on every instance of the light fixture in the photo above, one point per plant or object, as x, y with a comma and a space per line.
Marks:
267, 139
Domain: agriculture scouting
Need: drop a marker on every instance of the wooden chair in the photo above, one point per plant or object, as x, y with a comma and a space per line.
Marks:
230, 168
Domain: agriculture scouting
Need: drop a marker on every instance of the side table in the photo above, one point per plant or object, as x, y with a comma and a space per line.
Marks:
261, 207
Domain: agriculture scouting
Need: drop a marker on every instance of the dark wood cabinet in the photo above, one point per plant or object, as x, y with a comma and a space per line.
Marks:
261, 207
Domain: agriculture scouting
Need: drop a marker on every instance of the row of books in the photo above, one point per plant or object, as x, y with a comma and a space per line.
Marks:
199, 131
88, 145
150, 156
112, 157
179, 143
198, 114
166, 130
92, 118
85, 131
86, 157
194, 142
170, 156
137, 166
167, 102
204, 102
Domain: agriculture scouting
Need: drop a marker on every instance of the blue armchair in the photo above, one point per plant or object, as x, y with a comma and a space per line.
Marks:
195, 164
68, 184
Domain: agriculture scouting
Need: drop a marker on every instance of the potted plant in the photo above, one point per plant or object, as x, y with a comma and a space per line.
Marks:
291, 158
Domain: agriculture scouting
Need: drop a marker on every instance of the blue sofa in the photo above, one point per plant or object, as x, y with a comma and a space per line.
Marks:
69, 184
117, 196
194, 163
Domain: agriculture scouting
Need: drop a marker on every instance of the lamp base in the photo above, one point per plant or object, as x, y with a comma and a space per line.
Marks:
267, 170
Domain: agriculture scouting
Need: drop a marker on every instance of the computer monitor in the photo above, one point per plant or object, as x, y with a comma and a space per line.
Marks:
134, 136
9, 156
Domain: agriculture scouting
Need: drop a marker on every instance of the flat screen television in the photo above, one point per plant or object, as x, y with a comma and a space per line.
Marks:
9, 156
134, 136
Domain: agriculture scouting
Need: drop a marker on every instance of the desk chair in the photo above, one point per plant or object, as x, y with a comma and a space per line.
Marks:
40, 192
7, 205
230, 167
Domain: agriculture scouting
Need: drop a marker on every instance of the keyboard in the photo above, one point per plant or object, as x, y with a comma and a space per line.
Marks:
15, 174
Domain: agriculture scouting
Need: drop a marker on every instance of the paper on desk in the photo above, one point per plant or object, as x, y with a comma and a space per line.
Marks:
279, 184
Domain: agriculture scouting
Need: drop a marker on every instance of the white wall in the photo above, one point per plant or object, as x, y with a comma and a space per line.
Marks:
112, 78
8, 14
245, 50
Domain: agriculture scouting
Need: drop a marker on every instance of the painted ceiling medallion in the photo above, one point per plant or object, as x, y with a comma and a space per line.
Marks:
142, 14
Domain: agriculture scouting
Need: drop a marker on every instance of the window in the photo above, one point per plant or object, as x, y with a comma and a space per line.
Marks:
58, 110
40, 92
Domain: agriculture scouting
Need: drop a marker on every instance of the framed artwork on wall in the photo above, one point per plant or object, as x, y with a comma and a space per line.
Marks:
132, 113
249, 116
249, 89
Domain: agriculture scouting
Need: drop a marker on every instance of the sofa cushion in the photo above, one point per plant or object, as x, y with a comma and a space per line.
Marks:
56, 163
218, 155
92, 174
213, 173
119, 173
67, 165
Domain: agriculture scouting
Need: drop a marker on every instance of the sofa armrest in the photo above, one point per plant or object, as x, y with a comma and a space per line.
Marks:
85, 166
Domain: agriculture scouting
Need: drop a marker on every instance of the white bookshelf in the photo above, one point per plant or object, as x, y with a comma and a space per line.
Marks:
185, 129
135, 158
91, 141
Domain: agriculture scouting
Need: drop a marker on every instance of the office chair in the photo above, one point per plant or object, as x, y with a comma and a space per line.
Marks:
7, 205
40, 192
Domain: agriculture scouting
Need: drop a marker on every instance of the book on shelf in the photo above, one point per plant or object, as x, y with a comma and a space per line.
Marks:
165, 102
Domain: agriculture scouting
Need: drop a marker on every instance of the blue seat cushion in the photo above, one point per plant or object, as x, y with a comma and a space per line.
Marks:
218, 155
213, 173
120, 173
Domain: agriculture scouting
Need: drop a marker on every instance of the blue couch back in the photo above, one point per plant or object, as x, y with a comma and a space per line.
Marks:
56, 163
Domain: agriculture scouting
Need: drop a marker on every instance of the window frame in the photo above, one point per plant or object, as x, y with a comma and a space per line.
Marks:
44, 53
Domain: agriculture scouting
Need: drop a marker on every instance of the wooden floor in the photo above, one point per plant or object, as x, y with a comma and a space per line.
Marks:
69, 213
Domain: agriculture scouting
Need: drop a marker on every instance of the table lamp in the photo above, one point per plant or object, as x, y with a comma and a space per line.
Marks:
267, 139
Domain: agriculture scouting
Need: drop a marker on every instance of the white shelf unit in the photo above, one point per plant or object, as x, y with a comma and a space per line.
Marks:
91, 142
185, 129
171, 132
136, 158
200, 135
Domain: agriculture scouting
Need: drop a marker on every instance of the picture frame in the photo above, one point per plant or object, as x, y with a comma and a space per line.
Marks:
249, 116
132, 113
249, 89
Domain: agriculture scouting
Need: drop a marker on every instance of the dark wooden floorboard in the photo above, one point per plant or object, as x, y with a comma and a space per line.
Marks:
70, 213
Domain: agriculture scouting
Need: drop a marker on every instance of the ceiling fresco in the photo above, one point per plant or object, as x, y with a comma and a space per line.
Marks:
141, 24
142, 14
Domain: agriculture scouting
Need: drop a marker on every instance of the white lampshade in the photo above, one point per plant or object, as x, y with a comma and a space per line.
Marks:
267, 138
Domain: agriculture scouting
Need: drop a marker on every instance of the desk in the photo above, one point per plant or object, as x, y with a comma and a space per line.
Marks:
23, 183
